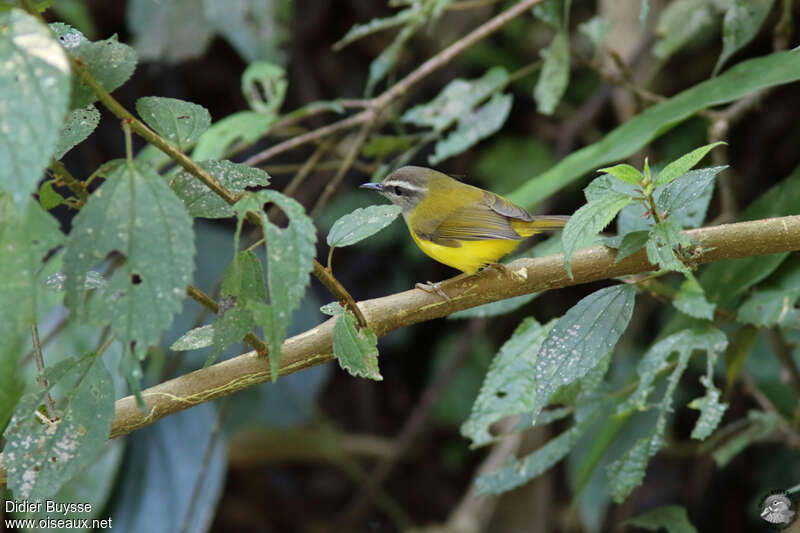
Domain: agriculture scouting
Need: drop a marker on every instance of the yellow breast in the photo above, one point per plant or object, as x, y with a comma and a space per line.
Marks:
471, 256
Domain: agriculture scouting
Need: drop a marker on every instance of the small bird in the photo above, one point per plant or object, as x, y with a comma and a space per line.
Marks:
462, 226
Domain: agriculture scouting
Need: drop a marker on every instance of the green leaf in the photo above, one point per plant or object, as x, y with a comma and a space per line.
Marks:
377, 24
332, 309
741, 23
110, 62
627, 472
200, 201
243, 282
692, 300
729, 441
661, 247
596, 29
683, 164
290, 255
583, 226
264, 86
11, 387
519, 471
26, 236
356, 350
685, 200
48, 197
509, 387
360, 224
549, 11
34, 82
135, 214
680, 23
42, 457
245, 127
172, 32
770, 308
711, 410
254, 28
473, 127
381, 65
624, 172
673, 518
742, 79
80, 123
554, 77
194, 339
631, 243
581, 339
181, 123
500, 307
655, 360
457, 99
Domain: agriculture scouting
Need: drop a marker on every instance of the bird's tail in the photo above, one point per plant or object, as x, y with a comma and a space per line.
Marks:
539, 224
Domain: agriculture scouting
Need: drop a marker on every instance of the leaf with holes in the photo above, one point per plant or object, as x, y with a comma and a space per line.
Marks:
360, 224
711, 410
509, 387
110, 62
356, 350
41, 457
200, 201
580, 340
34, 82
80, 124
181, 123
135, 214
290, 256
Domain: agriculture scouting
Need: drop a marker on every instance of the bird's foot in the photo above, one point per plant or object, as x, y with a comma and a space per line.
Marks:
432, 288
501, 267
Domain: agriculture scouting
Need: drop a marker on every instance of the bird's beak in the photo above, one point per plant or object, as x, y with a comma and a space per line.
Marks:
372, 186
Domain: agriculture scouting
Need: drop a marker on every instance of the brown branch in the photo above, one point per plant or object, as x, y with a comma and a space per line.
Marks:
392, 312
375, 106
332, 284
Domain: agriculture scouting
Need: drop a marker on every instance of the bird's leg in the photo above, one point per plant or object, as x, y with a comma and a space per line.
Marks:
501, 267
431, 287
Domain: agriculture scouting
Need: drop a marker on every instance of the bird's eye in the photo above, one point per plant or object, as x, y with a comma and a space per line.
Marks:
397, 190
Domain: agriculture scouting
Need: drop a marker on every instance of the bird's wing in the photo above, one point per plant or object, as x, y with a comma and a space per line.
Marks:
474, 222
501, 206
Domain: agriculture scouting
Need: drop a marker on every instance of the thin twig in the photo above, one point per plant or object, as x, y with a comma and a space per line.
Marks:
415, 423
199, 296
62, 175
350, 156
379, 103
37, 355
332, 284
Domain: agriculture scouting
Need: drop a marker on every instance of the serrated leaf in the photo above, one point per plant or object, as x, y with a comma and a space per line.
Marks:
683, 164
34, 82
583, 226
110, 62
627, 472
673, 518
741, 23
181, 123
43, 457
194, 339
624, 172
26, 236
80, 123
473, 127
332, 309
242, 282
692, 300
685, 200
655, 360
509, 387
711, 410
264, 86
500, 307
661, 247
581, 339
360, 224
245, 126
200, 201
554, 77
356, 350
631, 243
135, 214
290, 255
172, 32
458, 98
